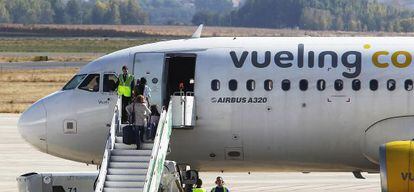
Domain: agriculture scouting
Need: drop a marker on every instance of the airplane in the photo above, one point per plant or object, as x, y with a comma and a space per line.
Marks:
261, 103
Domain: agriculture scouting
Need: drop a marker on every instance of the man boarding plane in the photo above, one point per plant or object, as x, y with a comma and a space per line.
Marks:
261, 104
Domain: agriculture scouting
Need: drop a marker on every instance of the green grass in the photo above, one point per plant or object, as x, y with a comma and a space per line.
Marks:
69, 45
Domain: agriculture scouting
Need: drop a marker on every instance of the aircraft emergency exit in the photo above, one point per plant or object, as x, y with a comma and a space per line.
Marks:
260, 104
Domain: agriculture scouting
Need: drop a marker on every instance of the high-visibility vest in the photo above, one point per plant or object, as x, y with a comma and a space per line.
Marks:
124, 87
224, 189
199, 190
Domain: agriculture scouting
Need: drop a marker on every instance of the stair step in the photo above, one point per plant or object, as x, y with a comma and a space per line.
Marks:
133, 165
117, 171
120, 152
107, 189
144, 146
115, 158
136, 178
122, 184
120, 140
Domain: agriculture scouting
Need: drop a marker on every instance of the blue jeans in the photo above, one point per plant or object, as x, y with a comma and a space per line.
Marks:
139, 135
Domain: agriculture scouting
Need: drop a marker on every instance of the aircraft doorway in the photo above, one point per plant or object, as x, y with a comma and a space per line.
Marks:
180, 70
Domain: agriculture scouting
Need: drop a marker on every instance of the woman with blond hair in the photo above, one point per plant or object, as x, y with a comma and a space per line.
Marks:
139, 112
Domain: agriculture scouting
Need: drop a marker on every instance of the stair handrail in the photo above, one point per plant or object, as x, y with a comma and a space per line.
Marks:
109, 146
159, 151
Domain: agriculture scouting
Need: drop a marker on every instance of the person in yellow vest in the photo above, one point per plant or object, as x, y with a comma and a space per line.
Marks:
220, 186
125, 86
198, 187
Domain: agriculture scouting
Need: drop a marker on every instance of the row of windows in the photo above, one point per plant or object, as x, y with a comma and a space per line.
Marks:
91, 82
320, 85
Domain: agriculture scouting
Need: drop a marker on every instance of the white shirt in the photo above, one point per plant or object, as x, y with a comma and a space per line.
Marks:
147, 92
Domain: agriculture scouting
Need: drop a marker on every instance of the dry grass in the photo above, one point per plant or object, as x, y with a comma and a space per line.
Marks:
20, 88
167, 31
10, 59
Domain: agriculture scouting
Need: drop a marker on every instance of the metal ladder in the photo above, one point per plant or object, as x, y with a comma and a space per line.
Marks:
124, 168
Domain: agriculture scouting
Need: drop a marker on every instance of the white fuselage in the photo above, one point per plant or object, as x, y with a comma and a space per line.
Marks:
335, 128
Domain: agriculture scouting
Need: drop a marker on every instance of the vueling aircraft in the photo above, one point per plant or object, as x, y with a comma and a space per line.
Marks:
261, 103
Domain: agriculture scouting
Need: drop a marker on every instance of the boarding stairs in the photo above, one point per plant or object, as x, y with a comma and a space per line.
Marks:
126, 169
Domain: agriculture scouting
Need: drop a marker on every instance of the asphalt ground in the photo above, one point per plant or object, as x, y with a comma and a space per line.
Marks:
18, 157
45, 64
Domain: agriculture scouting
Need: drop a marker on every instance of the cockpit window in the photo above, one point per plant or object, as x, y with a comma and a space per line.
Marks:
74, 82
109, 83
91, 83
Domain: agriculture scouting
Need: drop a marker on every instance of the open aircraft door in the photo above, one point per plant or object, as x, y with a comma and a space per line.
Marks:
151, 66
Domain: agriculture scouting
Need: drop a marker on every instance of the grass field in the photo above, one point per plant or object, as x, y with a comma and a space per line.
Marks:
69, 45
21, 88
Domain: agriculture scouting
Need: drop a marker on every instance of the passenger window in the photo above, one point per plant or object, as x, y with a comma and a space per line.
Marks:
109, 83
339, 85
268, 85
74, 82
91, 83
233, 85
303, 85
250, 85
321, 85
373, 85
356, 85
215, 85
408, 85
391, 85
286, 85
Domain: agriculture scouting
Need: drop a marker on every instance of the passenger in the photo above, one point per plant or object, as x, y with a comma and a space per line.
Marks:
181, 87
143, 89
141, 112
220, 186
125, 84
135, 91
153, 122
198, 187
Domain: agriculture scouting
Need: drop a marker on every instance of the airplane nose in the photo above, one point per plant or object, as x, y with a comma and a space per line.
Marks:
32, 125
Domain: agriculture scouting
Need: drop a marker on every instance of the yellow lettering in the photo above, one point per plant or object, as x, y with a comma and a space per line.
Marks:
375, 59
406, 63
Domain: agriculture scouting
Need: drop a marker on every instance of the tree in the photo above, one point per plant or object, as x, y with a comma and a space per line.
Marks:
19, 10
407, 25
4, 13
73, 12
132, 13
59, 11
99, 12
46, 13
214, 6
113, 16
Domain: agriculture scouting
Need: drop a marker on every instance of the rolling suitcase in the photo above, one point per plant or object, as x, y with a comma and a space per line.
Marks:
128, 135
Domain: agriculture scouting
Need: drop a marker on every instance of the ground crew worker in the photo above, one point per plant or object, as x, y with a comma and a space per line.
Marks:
125, 85
220, 186
198, 187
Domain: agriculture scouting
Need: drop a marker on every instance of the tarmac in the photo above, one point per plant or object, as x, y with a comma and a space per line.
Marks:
18, 157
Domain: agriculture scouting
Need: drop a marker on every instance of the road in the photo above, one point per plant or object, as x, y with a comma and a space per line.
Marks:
44, 65
17, 157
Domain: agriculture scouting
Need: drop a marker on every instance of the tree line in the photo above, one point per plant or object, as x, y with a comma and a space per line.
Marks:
345, 15
72, 12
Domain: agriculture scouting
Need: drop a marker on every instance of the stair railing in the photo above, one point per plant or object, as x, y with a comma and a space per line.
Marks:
159, 151
109, 146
